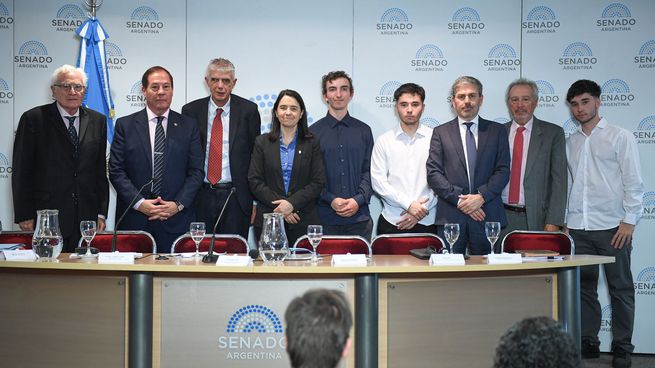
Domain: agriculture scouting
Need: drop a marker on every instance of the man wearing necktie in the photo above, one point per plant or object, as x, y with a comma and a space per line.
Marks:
59, 160
156, 144
468, 167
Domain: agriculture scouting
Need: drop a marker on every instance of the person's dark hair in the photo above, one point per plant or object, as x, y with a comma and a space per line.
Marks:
410, 88
583, 86
536, 342
329, 77
303, 130
156, 68
318, 327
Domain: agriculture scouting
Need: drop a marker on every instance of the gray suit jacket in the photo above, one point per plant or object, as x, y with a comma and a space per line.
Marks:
545, 178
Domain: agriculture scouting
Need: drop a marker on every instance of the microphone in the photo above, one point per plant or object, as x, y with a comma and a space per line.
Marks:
211, 257
115, 235
254, 253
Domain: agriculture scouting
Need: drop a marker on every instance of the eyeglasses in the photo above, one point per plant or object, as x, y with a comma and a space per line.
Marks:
68, 87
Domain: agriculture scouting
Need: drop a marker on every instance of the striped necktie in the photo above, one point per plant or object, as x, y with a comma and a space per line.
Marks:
159, 156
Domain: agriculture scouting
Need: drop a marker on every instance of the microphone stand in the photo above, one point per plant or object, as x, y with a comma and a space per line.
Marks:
210, 257
115, 235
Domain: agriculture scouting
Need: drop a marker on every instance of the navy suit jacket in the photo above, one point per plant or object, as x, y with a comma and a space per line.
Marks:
448, 177
130, 167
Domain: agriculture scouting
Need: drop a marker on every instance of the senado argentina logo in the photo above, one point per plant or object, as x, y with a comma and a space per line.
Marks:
6, 93
466, 21
115, 58
136, 98
5, 168
648, 203
547, 96
645, 133
5, 19
502, 120
385, 98
616, 17
429, 58
144, 19
33, 54
569, 127
646, 57
541, 19
616, 92
577, 56
606, 319
68, 18
430, 122
394, 21
501, 58
645, 283
265, 104
254, 332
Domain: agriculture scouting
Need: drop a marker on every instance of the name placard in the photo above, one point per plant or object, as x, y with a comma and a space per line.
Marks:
447, 260
504, 258
234, 261
116, 258
19, 255
351, 260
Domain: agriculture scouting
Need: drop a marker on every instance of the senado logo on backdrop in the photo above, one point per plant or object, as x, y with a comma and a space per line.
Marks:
6, 93
265, 104
33, 55
144, 19
466, 21
645, 283
385, 98
5, 19
115, 58
136, 98
569, 126
430, 122
68, 18
429, 58
540, 19
253, 332
645, 133
606, 319
646, 57
615, 17
394, 21
5, 168
547, 96
501, 58
616, 93
502, 120
577, 56
649, 208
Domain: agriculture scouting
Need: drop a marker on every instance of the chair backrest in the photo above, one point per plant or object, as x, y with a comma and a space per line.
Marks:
126, 241
401, 244
337, 244
538, 240
230, 243
17, 237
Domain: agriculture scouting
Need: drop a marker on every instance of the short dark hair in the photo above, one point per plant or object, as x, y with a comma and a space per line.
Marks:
329, 77
318, 327
583, 86
410, 88
153, 69
536, 342
303, 129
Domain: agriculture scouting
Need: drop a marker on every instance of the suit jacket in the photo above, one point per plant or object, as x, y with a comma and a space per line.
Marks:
130, 167
307, 178
447, 174
46, 173
245, 126
545, 177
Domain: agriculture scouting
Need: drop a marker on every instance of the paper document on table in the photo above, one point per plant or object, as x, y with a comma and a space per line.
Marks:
543, 259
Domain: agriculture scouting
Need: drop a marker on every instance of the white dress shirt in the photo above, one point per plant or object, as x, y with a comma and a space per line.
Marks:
607, 187
526, 144
398, 172
226, 174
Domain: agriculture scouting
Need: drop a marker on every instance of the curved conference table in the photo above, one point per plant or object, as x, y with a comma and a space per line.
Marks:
181, 312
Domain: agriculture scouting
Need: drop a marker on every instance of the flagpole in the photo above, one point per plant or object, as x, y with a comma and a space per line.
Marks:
93, 5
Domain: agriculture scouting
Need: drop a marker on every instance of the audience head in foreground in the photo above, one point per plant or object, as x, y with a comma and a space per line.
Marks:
536, 342
318, 327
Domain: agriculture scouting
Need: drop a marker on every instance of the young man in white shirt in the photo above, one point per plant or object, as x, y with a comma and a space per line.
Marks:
398, 173
605, 203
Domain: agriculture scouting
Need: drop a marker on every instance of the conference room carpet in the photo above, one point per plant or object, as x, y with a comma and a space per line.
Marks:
605, 360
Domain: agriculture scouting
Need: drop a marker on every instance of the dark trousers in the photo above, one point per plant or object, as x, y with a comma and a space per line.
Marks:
163, 239
619, 283
471, 237
385, 227
362, 228
208, 205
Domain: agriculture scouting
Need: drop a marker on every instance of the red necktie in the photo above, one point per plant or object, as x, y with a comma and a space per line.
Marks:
517, 160
215, 164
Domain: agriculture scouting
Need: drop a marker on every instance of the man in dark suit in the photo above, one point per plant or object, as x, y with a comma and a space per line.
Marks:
231, 133
59, 160
535, 198
159, 145
468, 167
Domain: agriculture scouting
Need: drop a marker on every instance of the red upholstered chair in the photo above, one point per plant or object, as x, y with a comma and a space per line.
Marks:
17, 237
229, 243
401, 244
126, 241
337, 244
538, 240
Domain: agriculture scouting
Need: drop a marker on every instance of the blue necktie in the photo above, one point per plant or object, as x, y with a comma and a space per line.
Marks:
72, 132
160, 150
471, 155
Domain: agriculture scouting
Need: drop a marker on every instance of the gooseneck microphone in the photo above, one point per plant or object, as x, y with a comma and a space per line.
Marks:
210, 257
115, 235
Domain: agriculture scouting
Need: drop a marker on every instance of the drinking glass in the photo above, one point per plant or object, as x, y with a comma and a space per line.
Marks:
197, 230
314, 234
88, 231
451, 233
492, 229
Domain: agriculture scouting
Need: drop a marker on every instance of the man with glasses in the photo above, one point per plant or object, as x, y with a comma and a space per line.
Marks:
59, 160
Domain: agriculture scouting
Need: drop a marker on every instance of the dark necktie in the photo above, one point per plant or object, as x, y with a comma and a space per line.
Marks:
471, 156
72, 132
517, 161
215, 162
159, 156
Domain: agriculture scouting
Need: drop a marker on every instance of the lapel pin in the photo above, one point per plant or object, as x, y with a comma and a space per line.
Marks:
299, 151
174, 124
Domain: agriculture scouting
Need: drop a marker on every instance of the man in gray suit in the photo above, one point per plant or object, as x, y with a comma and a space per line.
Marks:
535, 197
